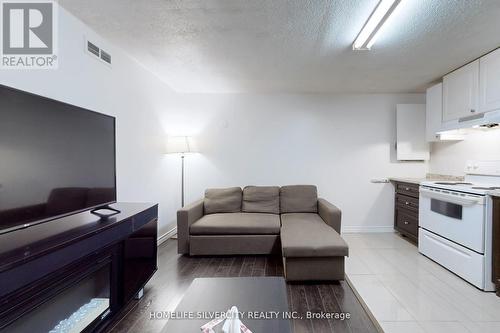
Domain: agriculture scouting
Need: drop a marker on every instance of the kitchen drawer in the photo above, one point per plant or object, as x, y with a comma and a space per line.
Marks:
408, 189
467, 264
406, 202
407, 222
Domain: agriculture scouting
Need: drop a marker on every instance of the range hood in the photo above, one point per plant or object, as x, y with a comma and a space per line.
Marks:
481, 120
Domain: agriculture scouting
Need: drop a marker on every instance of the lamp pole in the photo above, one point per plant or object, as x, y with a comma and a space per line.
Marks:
182, 181
180, 145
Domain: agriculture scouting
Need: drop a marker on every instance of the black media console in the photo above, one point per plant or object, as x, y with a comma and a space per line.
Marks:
78, 271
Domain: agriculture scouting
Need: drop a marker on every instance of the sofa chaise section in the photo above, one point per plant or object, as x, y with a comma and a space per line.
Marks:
312, 248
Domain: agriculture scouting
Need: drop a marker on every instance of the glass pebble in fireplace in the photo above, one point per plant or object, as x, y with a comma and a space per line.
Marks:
82, 317
73, 310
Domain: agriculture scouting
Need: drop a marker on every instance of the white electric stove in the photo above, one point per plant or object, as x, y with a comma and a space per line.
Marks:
455, 222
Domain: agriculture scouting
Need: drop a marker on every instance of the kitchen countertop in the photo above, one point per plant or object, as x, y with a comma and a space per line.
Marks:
432, 177
417, 181
429, 177
494, 193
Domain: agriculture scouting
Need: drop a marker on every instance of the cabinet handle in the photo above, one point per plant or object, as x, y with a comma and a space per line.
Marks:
406, 222
472, 110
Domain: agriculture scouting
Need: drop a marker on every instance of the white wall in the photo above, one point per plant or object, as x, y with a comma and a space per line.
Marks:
338, 142
449, 158
127, 91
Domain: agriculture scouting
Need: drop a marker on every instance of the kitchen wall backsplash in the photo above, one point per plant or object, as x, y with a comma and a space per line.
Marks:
450, 158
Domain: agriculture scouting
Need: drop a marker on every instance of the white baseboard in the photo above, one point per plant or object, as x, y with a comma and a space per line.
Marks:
166, 236
363, 228
346, 229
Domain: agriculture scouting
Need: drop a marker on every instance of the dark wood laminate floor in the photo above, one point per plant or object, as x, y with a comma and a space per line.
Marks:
175, 274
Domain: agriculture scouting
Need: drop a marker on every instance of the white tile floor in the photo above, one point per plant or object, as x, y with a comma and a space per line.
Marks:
406, 292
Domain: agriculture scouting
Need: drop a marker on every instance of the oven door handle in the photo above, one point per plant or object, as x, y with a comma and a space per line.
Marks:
464, 201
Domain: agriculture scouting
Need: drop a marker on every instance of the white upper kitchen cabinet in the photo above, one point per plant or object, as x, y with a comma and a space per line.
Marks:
411, 143
434, 131
433, 112
489, 85
461, 92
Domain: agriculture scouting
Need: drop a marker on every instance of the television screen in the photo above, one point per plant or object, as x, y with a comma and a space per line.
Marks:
55, 159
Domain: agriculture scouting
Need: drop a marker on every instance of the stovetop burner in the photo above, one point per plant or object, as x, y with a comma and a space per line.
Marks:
477, 188
465, 186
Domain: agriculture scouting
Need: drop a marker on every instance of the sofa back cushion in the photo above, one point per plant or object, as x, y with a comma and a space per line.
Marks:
299, 199
222, 200
261, 199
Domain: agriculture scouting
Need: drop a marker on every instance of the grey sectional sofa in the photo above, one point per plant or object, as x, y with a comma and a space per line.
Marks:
264, 220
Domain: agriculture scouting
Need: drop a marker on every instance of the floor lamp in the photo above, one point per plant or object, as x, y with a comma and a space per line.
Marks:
180, 145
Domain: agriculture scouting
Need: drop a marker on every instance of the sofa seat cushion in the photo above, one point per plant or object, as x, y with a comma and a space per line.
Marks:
237, 224
261, 199
298, 199
307, 235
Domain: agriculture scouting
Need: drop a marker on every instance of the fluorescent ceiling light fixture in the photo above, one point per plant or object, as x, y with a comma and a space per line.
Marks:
369, 33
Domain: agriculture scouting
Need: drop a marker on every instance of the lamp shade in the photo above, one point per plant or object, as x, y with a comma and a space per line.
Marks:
179, 145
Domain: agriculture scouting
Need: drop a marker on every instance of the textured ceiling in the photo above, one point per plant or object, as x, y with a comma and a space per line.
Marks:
295, 45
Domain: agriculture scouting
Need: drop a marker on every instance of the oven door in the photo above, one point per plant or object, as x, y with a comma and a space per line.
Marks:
456, 216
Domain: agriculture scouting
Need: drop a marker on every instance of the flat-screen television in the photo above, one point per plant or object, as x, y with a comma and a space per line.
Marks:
56, 159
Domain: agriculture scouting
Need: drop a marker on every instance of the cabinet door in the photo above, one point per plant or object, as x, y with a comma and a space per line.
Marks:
489, 85
411, 144
433, 112
461, 92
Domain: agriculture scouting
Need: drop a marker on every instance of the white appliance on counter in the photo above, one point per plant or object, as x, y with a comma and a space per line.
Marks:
455, 223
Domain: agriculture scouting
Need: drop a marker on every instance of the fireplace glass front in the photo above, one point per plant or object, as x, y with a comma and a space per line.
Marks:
80, 306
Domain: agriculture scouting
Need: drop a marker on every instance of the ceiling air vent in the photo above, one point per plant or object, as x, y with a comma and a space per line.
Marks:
92, 48
106, 57
96, 51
